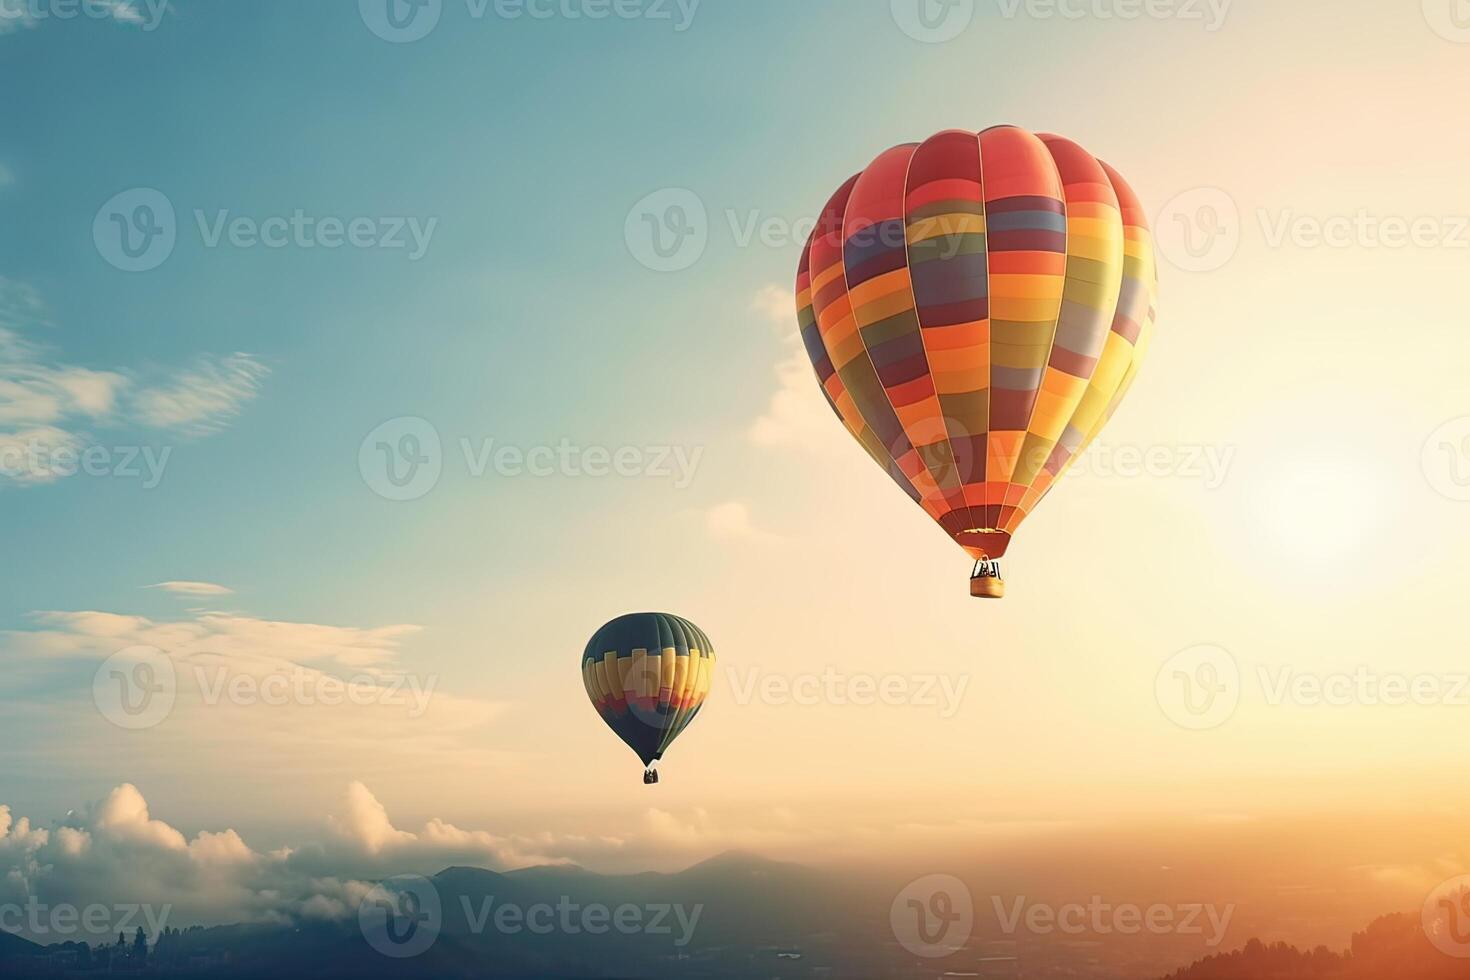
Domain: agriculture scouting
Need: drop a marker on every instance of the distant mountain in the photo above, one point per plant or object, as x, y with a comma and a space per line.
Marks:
12, 945
717, 915
735, 915
1393, 947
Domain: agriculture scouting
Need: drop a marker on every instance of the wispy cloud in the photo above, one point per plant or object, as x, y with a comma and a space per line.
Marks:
192, 588
48, 406
797, 415
731, 520
203, 398
338, 700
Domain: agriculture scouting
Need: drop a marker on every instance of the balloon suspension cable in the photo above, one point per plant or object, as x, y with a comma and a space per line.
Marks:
985, 580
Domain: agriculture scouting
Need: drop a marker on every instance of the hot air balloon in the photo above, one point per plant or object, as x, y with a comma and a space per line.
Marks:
648, 675
975, 307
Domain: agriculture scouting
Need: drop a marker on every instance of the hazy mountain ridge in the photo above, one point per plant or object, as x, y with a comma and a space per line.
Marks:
720, 918
1392, 947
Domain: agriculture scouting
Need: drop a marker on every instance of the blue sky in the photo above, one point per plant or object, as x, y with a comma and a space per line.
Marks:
524, 149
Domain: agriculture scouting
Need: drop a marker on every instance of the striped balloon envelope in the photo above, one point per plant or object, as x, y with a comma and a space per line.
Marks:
648, 674
976, 306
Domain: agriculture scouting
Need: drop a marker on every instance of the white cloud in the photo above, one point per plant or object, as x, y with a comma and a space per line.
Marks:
798, 415
116, 852
46, 406
776, 306
731, 521
203, 398
192, 588
244, 642
312, 701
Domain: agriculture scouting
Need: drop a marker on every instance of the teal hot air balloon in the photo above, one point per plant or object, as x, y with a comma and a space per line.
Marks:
647, 675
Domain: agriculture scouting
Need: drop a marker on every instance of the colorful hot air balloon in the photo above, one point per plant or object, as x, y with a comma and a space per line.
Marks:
647, 675
975, 307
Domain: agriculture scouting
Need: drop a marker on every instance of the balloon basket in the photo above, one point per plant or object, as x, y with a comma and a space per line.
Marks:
650, 777
985, 581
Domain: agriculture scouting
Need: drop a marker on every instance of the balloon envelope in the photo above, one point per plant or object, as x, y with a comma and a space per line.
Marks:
975, 307
647, 675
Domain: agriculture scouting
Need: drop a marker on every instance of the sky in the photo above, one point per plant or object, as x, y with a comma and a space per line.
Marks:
373, 384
